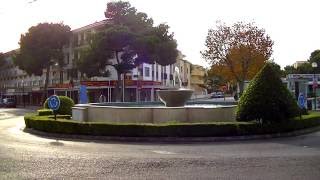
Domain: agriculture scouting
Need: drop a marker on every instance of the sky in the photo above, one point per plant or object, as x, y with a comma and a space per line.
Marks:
292, 25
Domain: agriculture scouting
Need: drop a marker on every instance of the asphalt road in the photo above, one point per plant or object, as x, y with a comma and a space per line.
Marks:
26, 156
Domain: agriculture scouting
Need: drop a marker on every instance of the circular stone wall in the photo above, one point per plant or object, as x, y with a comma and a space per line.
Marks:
120, 114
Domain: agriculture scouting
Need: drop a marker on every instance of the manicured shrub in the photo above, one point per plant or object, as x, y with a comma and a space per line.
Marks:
267, 99
66, 105
44, 112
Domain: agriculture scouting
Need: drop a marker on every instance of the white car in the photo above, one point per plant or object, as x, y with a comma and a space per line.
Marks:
218, 94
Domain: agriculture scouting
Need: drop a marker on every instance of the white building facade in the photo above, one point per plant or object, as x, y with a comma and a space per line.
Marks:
140, 84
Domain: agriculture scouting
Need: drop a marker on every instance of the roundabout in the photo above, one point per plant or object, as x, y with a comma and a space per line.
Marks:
25, 156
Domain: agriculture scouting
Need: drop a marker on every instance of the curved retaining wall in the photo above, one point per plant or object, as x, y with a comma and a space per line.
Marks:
94, 113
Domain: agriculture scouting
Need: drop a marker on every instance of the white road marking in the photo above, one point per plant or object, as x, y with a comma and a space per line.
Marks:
164, 152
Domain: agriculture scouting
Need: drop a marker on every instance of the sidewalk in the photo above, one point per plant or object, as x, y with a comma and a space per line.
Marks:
29, 107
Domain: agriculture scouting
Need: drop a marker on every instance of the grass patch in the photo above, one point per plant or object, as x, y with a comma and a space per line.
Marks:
171, 129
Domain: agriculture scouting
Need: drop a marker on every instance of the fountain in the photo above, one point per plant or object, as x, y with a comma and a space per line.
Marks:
175, 97
176, 109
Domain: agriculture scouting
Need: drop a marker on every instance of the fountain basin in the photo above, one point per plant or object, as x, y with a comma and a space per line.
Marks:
174, 97
153, 113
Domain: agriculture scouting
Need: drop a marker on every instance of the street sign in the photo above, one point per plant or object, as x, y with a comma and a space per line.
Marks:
301, 101
83, 96
54, 102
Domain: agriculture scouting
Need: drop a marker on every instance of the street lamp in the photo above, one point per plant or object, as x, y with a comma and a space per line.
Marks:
24, 103
314, 85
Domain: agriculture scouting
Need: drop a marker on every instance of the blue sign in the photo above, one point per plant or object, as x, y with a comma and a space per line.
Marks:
301, 101
83, 97
54, 102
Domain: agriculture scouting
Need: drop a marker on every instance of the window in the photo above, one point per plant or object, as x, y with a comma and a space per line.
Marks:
147, 71
75, 55
68, 58
75, 40
75, 73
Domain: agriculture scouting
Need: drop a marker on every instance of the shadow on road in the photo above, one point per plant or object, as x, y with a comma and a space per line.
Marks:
56, 143
309, 140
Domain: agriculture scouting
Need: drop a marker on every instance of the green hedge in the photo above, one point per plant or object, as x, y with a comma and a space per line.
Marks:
47, 124
66, 105
44, 112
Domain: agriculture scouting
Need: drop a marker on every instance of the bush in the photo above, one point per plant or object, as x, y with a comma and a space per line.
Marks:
267, 99
61, 125
44, 112
66, 105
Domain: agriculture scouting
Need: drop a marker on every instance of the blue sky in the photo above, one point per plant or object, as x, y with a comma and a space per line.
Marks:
293, 25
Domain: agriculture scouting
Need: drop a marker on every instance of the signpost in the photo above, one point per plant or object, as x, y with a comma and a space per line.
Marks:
301, 101
54, 104
83, 97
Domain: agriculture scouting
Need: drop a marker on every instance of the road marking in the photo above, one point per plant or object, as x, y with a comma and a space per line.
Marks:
164, 152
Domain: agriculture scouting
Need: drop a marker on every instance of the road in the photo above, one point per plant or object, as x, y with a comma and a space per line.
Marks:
27, 156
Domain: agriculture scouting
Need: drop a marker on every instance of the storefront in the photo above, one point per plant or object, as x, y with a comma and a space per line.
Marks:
307, 85
135, 91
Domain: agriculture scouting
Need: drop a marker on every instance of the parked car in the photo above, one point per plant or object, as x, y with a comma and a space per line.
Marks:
9, 103
1, 103
218, 94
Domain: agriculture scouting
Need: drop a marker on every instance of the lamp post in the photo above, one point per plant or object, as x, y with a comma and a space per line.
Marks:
24, 103
314, 85
123, 86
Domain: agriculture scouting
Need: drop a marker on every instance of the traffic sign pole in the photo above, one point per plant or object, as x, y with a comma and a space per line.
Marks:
54, 104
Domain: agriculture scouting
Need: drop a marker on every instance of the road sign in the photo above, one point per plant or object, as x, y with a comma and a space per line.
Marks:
83, 97
301, 101
54, 102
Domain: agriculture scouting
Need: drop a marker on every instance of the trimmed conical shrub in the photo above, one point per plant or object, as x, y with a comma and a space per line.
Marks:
267, 99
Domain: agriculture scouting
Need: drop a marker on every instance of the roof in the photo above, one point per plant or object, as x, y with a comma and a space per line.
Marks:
91, 26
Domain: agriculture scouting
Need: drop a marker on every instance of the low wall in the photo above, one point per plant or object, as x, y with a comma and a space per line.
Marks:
93, 113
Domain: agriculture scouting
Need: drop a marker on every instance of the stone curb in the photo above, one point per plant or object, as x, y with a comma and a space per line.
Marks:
169, 139
5, 117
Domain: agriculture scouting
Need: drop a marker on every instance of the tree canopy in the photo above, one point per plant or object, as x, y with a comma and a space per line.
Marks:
130, 38
237, 52
304, 68
315, 56
42, 47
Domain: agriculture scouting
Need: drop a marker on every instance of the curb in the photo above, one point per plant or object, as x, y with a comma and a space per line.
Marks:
169, 139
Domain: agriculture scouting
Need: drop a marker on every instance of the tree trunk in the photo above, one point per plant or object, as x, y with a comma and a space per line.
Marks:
45, 89
124, 86
241, 87
117, 90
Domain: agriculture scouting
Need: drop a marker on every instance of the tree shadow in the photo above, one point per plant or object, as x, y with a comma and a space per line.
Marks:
56, 143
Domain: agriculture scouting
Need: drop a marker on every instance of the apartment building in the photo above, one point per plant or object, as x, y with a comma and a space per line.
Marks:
299, 63
197, 79
140, 84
